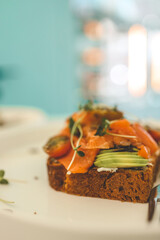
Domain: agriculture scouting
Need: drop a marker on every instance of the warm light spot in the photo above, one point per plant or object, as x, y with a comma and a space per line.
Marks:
119, 74
155, 62
137, 60
93, 56
94, 30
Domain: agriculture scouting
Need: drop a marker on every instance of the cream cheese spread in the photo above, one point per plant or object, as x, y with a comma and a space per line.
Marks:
102, 169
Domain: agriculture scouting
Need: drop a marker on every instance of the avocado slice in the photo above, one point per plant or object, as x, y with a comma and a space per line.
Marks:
115, 159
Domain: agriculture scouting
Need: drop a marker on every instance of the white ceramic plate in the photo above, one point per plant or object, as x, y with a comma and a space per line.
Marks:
39, 212
16, 118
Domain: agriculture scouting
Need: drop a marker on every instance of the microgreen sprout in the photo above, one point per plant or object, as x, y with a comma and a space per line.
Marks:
87, 107
105, 126
76, 126
71, 124
4, 181
5, 201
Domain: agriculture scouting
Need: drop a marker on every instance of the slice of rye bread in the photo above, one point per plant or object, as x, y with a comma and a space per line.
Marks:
132, 185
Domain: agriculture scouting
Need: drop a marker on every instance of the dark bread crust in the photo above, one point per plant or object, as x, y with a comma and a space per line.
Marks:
56, 174
132, 185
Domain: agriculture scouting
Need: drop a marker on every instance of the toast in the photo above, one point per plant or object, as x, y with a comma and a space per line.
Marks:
95, 157
132, 185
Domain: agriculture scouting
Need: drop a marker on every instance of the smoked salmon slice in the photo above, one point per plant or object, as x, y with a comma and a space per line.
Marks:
90, 141
122, 126
80, 164
145, 137
144, 151
101, 142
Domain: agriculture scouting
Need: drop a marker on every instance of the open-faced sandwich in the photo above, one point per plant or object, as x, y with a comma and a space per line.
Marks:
101, 154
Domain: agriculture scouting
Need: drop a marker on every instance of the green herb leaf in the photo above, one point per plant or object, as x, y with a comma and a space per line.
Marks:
80, 153
2, 172
71, 123
106, 124
76, 148
87, 107
101, 131
4, 181
115, 108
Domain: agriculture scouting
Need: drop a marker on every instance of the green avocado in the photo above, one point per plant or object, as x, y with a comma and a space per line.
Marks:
119, 159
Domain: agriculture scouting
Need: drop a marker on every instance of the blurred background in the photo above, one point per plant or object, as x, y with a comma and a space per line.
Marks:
54, 54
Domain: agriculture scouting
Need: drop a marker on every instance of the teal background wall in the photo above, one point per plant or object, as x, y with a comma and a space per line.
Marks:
37, 50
